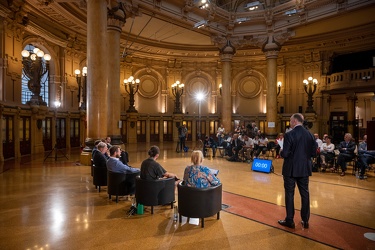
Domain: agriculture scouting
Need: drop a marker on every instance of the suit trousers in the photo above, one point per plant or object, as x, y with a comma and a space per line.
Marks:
342, 159
303, 187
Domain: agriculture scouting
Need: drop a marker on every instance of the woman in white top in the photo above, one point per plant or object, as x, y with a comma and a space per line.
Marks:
220, 135
327, 153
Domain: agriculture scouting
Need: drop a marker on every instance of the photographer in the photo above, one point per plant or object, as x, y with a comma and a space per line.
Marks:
182, 134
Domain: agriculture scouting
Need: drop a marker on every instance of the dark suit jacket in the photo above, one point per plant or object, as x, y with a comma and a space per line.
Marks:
237, 142
299, 147
99, 160
349, 149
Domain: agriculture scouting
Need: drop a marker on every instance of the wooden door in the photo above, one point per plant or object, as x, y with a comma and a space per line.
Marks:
60, 133
74, 132
141, 131
47, 133
168, 131
25, 132
154, 130
8, 136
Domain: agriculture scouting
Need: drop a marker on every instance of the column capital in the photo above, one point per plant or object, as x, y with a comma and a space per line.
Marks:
227, 52
271, 54
228, 48
116, 16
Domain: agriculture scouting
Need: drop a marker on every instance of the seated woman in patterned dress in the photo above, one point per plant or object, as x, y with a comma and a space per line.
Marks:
197, 175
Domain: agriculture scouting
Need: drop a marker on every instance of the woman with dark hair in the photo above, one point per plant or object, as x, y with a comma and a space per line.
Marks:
152, 170
262, 145
327, 153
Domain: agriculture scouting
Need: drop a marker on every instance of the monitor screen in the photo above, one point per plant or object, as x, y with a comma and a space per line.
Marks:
261, 165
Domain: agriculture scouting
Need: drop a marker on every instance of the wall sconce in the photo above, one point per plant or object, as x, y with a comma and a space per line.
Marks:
310, 88
82, 83
35, 65
132, 124
131, 87
220, 88
177, 91
278, 93
278, 87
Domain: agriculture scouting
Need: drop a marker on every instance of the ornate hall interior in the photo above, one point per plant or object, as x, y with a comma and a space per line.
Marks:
75, 71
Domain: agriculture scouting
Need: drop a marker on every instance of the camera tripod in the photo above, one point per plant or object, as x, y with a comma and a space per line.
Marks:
55, 149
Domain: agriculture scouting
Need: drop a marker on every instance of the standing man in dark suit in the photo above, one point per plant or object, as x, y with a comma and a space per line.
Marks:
298, 148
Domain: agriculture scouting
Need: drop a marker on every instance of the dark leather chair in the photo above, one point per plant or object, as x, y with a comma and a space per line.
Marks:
99, 177
155, 192
120, 184
199, 202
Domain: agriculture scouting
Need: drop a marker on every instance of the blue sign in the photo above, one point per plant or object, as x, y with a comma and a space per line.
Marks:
262, 165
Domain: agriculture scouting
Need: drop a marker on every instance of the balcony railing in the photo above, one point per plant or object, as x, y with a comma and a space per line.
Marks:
361, 80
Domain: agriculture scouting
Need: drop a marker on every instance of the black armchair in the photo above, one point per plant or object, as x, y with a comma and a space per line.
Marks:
121, 184
199, 202
155, 192
99, 177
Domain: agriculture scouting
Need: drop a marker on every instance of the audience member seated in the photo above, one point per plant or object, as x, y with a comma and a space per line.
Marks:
327, 153
243, 130
362, 146
124, 158
100, 157
209, 143
237, 130
197, 175
318, 140
365, 157
220, 134
108, 141
227, 144
152, 170
115, 165
253, 130
262, 145
236, 146
247, 149
95, 149
279, 141
346, 154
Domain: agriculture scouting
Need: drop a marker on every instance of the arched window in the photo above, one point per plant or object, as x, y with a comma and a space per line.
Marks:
35, 76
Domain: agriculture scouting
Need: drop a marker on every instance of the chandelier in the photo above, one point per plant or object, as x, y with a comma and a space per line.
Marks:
35, 66
177, 91
131, 87
310, 88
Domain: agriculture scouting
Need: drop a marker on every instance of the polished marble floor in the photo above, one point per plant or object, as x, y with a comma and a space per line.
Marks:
53, 205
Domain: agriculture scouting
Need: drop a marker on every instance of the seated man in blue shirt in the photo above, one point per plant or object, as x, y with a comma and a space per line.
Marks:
365, 157
115, 165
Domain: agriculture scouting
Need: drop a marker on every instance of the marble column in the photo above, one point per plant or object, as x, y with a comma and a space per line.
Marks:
97, 83
351, 98
271, 99
226, 56
115, 21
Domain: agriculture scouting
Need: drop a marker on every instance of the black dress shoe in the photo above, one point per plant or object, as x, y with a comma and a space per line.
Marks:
286, 224
305, 224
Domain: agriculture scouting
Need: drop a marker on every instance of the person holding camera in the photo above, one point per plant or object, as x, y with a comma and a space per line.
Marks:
182, 135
